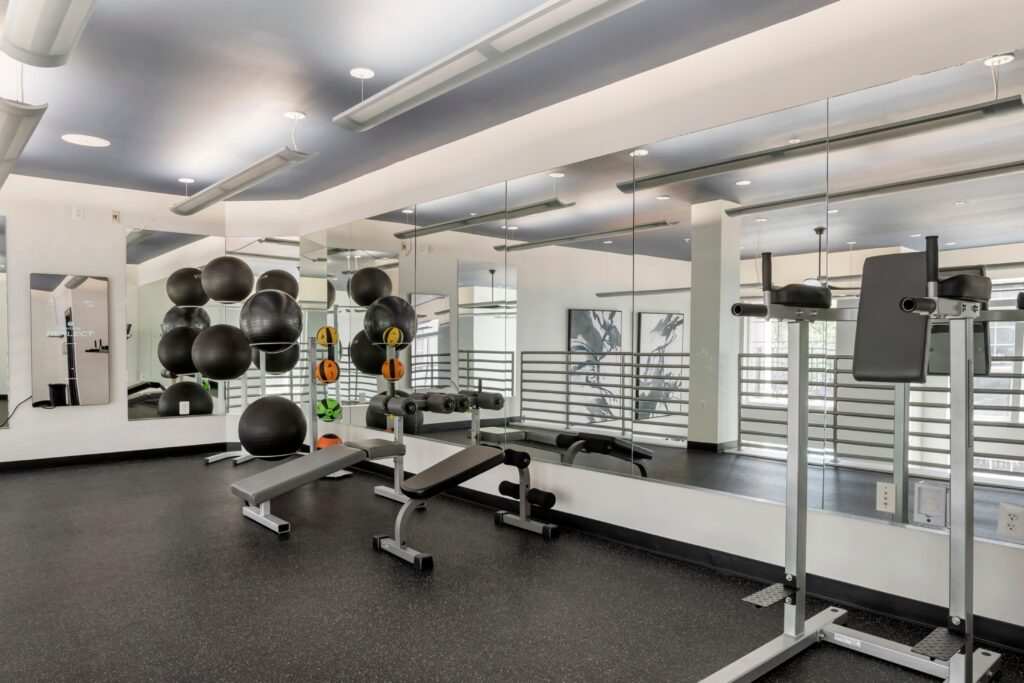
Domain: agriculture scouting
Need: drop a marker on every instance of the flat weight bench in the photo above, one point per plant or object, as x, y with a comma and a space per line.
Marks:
257, 490
437, 479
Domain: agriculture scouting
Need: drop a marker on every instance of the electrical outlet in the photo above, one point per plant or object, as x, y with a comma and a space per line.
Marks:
1011, 522
885, 497
115, 216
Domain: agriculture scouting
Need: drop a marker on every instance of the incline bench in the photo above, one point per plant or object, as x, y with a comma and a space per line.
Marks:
258, 490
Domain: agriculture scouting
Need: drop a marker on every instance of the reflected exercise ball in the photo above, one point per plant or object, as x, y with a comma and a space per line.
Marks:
221, 352
227, 279
278, 363
192, 394
272, 426
388, 312
281, 280
367, 285
271, 320
196, 318
367, 358
332, 294
185, 287
175, 350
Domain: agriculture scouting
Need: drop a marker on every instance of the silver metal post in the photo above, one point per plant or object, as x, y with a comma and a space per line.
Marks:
901, 449
796, 477
474, 429
311, 387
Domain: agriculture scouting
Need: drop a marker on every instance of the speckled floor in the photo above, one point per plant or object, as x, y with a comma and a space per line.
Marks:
147, 571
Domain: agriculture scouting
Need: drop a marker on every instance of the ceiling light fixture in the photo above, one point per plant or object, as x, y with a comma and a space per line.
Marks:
362, 73
850, 244
473, 213
686, 239
17, 123
510, 227
408, 211
916, 234
84, 140
44, 32
295, 115
556, 174
761, 220
663, 198
950, 244
539, 27
795, 141
528, 210
960, 203
999, 60
607, 242
742, 183
265, 168
586, 237
187, 181
639, 153
832, 212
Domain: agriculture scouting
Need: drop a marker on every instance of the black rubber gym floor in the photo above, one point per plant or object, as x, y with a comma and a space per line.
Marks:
146, 570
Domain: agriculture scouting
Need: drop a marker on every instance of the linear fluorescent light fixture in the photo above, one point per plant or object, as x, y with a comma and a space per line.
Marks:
586, 237
263, 169
520, 212
44, 32
538, 28
17, 123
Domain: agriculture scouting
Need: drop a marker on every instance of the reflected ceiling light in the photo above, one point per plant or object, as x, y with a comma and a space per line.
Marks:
950, 244
473, 213
795, 141
295, 115
408, 211
606, 242
999, 60
742, 183
960, 202
761, 220
362, 73
557, 174
663, 198
263, 169
474, 219
510, 227
687, 239
586, 237
639, 153
44, 32
17, 123
916, 234
832, 212
186, 180
84, 140
850, 244
539, 27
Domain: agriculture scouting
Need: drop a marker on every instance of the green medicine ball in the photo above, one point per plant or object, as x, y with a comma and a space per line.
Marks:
328, 410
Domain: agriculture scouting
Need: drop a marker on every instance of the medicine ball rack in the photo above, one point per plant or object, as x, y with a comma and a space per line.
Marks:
314, 432
240, 455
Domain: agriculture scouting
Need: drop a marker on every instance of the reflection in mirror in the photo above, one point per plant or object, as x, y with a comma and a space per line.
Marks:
431, 358
161, 332
487, 326
70, 340
4, 372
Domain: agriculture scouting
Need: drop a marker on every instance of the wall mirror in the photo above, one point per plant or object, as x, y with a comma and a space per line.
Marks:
4, 371
487, 326
70, 340
431, 356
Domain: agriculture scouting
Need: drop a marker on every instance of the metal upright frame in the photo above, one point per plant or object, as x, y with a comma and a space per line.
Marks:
394, 492
314, 432
240, 455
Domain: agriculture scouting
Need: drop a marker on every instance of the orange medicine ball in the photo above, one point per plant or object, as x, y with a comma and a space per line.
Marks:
326, 371
328, 440
393, 370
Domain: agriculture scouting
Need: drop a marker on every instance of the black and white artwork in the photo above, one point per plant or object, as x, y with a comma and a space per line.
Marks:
595, 339
659, 337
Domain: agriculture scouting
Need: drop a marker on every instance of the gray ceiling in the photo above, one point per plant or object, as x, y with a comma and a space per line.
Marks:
198, 88
992, 213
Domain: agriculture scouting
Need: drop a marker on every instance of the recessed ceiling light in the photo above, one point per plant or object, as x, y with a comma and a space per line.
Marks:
999, 60
84, 140
473, 213
960, 203
795, 141
606, 242
850, 244
832, 211
916, 234
742, 183
510, 227
186, 180
557, 174
687, 239
295, 115
639, 153
760, 220
663, 198
408, 211
362, 73
950, 244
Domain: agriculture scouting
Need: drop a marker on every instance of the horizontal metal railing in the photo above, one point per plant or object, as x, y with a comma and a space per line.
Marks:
430, 370
487, 370
631, 393
854, 423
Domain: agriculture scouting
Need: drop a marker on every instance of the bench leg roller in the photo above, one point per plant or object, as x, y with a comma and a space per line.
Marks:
261, 515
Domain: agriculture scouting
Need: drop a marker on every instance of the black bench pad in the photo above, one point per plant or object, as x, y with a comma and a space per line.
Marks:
966, 287
802, 295
452, 471
378, 448
263, 486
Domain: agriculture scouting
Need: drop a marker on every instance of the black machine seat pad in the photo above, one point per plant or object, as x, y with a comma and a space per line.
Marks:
808, 296
966, 287
452, 471
263, 486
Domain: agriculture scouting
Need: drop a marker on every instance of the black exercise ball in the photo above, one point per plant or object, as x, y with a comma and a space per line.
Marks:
278, 363
196, 318
192, 393
272, 426
378, 419
271, 320
390, 311
367, 358
278, 279
332, 294
221, 352
175, 350
227, 279
367, 285
185, 287
167, 374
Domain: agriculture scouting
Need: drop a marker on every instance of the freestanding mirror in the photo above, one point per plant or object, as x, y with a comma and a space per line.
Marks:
70, 340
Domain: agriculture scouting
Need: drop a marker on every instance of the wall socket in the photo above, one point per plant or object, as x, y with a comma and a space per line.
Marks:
115, 216
885, 497
1010, 526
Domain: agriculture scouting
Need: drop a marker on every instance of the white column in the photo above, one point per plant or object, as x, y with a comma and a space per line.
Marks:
714, 331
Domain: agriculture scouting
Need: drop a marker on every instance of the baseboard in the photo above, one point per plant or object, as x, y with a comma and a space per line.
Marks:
116, 456
431, 427
711, 447
996, 634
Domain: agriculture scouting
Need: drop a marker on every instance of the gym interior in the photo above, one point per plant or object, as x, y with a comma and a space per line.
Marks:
572, 340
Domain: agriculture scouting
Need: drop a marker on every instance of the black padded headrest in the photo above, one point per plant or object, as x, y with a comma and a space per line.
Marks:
566, 439
1020, 301
598, 443
966, 287
807, 296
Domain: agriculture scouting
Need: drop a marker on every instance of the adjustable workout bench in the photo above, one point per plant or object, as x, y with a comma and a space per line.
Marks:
258, 490
448, 474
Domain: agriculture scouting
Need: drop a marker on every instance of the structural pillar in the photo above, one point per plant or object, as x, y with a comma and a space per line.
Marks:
714, 331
